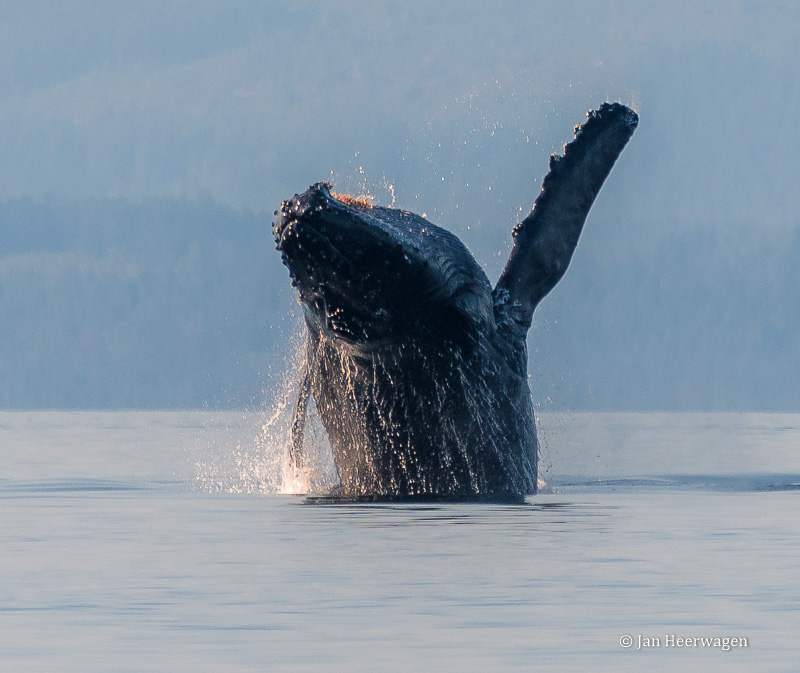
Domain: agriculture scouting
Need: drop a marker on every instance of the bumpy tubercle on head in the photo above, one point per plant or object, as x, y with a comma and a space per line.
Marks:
353, 201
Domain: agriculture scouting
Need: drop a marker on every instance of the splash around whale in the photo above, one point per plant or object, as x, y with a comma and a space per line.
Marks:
417, 367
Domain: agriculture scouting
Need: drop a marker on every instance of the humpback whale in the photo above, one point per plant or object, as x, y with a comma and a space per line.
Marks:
416, 365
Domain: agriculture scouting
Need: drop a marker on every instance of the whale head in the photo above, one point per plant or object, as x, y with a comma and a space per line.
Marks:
367, 275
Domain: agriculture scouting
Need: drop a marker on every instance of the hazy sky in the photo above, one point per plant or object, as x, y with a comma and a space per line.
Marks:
250, 101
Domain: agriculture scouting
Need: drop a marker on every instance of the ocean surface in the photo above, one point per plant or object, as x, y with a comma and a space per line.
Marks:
172, 541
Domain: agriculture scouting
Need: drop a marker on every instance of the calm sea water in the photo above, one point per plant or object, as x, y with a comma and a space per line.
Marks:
162, 542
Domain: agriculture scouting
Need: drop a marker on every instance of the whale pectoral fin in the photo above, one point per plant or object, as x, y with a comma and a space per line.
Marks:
545, 240
299, 421
301, 410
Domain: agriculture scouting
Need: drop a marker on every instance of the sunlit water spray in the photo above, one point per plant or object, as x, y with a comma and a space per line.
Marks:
249, 452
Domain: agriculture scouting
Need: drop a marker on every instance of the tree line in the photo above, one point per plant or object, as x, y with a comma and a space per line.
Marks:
166, 303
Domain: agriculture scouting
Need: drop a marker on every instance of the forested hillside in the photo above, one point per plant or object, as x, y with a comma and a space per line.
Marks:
176, 304
111, 304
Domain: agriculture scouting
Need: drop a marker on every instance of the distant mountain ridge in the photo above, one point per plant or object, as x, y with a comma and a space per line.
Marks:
108, 303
